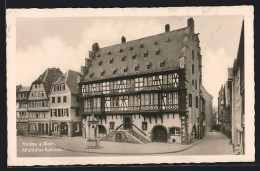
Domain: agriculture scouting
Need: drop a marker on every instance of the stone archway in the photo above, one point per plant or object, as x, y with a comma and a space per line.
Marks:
159, 134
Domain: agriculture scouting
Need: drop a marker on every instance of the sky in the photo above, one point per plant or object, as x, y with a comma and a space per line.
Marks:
64, 43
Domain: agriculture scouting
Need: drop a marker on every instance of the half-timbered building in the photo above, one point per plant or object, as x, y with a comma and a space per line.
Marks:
145, 90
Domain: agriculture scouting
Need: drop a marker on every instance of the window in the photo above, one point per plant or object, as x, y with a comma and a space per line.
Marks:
145, 53
42, 93
115, 101
109, 53
157, 52
197, 102
102, 73
144, 126
59, 99
141, 45
190, 100
121, 50
125, 69
162, 63
63, 87
35, 86
136, 68
170, 100
66, 112
131, 48
155, 43
111, 60
77, 111
168, 40
195, 84
134, 56
112, 125
100, 63
192, 55
192, 69
123, 58
91, 75
149, 65
174, 131
192, 82
64, 99
114, 71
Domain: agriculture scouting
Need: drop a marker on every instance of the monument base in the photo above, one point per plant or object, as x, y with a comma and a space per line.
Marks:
93, 143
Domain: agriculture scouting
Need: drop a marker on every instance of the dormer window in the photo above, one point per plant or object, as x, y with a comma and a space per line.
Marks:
168, 40
123, 58
145, 53
136, 67
155, 43
125, 69
141, 45
162, 63
91, 75
102, 73
134, 56
121, 50
100, 63
111, 60
98, 55
131, 48
109, 53
114, 71
149, 65
157, 52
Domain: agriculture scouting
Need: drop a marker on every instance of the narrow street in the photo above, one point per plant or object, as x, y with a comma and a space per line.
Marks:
213, 143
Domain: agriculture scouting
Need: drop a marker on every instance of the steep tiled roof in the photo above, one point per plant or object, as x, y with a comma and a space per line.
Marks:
136, 57
70, 78
205, 92
48, 78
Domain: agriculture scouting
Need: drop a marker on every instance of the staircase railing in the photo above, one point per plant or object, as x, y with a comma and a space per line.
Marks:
119, 127
139, 129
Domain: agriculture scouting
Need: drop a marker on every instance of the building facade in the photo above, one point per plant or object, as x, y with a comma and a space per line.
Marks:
65, 119
206, 109
22, 116
238, 98
147, 88
38, 101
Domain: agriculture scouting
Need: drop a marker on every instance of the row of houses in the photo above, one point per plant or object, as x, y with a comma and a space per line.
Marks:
150, 89
231, 102
50, 106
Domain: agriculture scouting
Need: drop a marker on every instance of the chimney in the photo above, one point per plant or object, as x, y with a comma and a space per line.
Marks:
123, 40
191, 24
95, 47
167, 27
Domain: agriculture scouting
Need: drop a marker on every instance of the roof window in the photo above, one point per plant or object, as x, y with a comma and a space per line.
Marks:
162, 63
125, 69
155, 43
109, 53
136, 67
91, 75
111, 60
123, 58
134, 56
121, 50
168, 40
102, 73
145, 53
100, 63
141, 45
157, 52
131, 48
114, 71
149, 65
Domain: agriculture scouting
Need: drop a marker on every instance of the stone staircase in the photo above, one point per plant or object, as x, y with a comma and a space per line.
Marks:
127, 136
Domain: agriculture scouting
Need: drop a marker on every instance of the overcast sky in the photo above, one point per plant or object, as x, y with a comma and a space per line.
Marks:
42, 43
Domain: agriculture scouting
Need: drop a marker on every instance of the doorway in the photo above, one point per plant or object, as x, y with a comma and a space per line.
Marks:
159, 134
127, 123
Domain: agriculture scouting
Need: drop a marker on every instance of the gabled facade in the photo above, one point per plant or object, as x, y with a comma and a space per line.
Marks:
148, 87
38, 101
22, 94
65, 119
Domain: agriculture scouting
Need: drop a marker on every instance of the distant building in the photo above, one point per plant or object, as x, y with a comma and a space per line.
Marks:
64, 106
22, 94
238, 105
148, 88
38, 101
206, 109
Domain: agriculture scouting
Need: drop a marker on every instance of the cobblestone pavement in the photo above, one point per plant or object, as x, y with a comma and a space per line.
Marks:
213, 143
